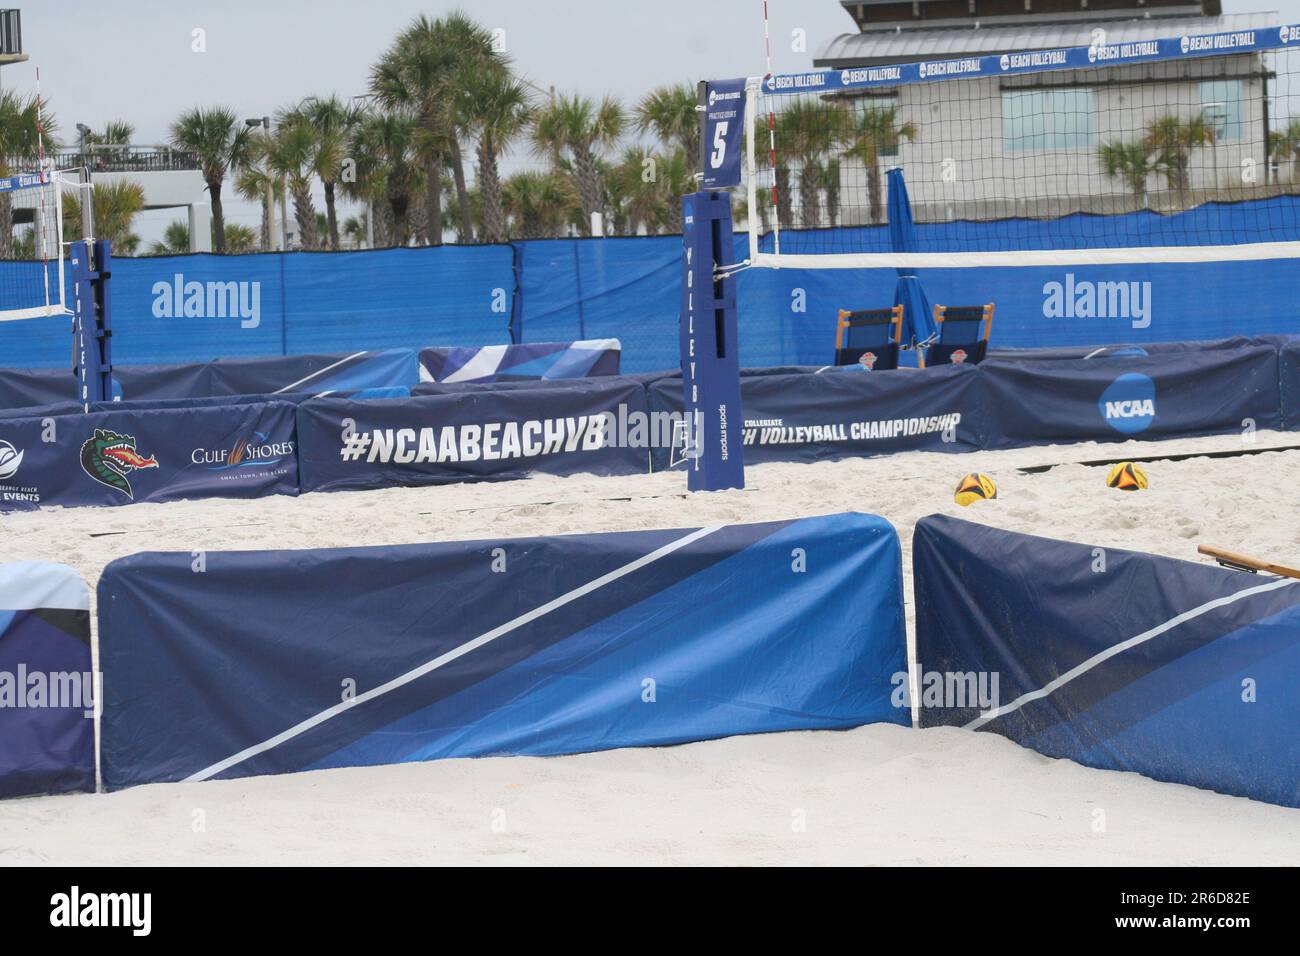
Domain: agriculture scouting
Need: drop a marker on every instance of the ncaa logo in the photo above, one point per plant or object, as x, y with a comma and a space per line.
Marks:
923, 69
1005, 62
1092, 54
1284, 34
713, 97
1184, 44
1129, 404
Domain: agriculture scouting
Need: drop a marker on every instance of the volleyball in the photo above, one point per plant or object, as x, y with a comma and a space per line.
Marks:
974, 487
1127, 476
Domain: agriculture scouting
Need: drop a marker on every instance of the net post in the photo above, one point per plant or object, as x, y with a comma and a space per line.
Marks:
710, 360
92, 333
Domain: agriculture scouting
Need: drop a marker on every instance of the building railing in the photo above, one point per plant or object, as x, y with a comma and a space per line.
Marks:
127, 159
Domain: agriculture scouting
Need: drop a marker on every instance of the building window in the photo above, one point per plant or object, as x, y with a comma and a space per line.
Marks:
1047, 119
1221, 104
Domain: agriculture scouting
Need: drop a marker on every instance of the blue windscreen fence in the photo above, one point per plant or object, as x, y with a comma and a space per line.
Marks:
200, 307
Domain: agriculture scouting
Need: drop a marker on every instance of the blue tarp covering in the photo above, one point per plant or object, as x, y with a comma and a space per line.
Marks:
1179, 671
1109, 399
386, 368
47, 731
437, 439
825, 417
629, 288
533, 361
525, 646
124, 455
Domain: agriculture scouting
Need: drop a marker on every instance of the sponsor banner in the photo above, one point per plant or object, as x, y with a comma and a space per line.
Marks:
527, 362
1042, 641
1289, 376
539, 646
1114, 398
1100, 53
121, 456
48, 690
436, 439
724, 126
824, 417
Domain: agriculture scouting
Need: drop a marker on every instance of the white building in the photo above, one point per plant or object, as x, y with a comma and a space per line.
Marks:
1032, 145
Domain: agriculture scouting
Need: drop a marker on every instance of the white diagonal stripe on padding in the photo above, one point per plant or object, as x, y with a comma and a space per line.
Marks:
303, 381
453, 654
1120, 648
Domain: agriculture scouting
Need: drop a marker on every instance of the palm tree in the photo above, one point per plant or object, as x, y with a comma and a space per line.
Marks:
500, 109
538, 203
251, 183
830, 184
114, 206
875, 132
175, 240
1130, 162
579, 128
114, 137
332, 120
21, 130
1172, 139
808, 130
669, 113
221, 142
384, 147
425, 71
1284, 146
290, 153
240, 239
354, 230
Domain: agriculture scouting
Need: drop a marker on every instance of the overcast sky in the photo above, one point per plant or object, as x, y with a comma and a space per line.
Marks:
134, 59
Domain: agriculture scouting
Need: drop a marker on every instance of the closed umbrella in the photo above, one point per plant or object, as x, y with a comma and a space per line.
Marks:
918, 317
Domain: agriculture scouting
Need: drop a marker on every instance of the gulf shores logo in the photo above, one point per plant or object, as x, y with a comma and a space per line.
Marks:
958, 356
868, 360
255, 452
1129, 403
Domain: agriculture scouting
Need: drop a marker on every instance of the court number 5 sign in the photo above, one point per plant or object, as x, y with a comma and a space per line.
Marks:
723, 126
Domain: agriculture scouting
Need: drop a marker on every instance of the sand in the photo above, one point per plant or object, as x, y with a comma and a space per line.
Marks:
878, 794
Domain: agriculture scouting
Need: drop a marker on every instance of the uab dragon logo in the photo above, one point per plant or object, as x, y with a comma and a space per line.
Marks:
109, 457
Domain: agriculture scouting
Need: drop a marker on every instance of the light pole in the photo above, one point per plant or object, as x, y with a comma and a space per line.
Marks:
268, 212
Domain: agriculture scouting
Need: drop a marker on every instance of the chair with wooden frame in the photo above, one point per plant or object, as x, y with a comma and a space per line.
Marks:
869, 337
963, 335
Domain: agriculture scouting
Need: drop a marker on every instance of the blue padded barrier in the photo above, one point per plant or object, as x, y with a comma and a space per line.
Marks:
515, 646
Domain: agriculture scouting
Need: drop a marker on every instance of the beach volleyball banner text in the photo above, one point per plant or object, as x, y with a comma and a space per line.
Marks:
436, 439
843, 413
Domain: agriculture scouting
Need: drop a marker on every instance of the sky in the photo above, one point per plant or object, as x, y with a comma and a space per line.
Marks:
137, 59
